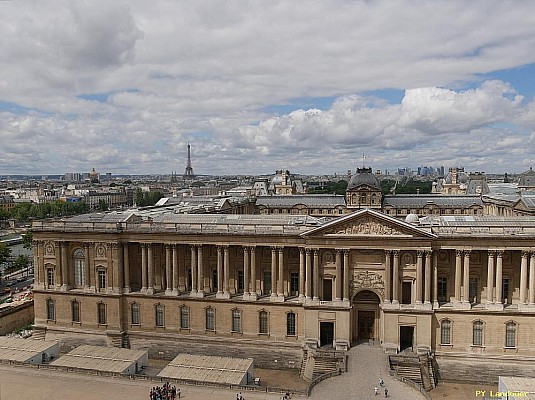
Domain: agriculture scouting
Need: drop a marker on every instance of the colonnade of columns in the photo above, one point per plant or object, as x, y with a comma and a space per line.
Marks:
426, 269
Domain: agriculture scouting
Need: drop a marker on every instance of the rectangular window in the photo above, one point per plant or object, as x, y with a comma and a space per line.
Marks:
75, 308
510, 334
472, 290
477, 333
101, 308
50, 310
442, 289
267, 282
210, 319
505, 290
290, 324
79, 272
135, 314
236, 321
294, 283
160, 317
184, 317
263, 322
101, 276
445, 332
50, 277
240, 281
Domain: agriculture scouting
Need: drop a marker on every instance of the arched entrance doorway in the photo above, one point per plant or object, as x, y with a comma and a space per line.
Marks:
365, 316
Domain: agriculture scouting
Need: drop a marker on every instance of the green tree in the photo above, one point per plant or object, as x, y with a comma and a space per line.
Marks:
5, 253
22, 261
27, 239
102, 205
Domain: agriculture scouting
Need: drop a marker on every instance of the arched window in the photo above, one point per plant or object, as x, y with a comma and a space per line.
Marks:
445, 332
510, 334
236, 321
263, 322
79, 267
477, 333
160, 316
50, 310
184, 317
210, 319
135, 313
75, 311
101, 314
290, 324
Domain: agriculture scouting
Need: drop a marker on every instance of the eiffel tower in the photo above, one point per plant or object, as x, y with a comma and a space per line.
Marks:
189, 169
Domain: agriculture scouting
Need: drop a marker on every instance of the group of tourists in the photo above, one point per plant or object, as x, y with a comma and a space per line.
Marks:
381, 384
166, 392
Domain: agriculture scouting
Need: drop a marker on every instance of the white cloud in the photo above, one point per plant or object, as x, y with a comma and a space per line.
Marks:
206, 72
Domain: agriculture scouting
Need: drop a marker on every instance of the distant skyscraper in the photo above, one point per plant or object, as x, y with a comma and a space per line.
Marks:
189, 169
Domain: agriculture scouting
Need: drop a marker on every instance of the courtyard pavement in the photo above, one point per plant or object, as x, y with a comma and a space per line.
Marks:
366, 365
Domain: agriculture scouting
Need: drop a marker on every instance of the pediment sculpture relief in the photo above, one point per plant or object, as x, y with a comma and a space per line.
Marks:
365, 226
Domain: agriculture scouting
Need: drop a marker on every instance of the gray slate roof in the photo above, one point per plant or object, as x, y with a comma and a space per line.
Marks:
310, 200
419, 201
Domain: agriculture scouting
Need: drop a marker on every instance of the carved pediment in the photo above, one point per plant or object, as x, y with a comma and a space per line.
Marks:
365, 226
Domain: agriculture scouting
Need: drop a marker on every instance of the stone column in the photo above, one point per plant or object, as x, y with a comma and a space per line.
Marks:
490, 275
435, 279
182, 253
200, 271
126, 267
301, 273
524, 277
280, 282
395, 278
64, 266
226, 277
419, 255
388, 276
339, 277
174, 255
316, 275
92, 278
427, 288
193, 270
168, 270
150, 269
499, 266
246, 272
86, 260
273, 272
118, 269
308, 268
37, 265
252, 292
458, 266
143, 267
219, 271
466, 278
532, 279
346, 275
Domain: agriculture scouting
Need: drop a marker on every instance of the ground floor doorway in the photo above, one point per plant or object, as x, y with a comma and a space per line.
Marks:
326, 333
365, 316
406, 337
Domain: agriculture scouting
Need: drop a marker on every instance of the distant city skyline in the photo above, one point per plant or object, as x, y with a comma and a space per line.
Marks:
255, 87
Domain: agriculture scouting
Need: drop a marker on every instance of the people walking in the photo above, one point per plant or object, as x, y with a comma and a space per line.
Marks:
386, 393
376, 390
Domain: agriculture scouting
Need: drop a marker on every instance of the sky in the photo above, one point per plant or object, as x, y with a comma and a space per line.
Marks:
316, 87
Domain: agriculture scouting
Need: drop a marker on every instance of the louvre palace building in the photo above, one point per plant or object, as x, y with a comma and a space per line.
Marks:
460, 287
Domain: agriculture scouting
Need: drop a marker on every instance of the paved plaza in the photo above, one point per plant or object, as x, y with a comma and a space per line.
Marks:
366, 365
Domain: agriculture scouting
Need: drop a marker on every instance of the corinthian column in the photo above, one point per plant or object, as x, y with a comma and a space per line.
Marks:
458, 266
301, 273
427, 291
532, 279
143, 267
316, 275
466, 284
168, 270
273, 272
490, 275
346, 275
395, 278
524, 276
245, 272
499, 268
388, 276
308, 261
419, 255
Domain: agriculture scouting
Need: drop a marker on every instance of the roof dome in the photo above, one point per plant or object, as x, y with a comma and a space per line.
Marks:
412, 219
364, 176
456, 174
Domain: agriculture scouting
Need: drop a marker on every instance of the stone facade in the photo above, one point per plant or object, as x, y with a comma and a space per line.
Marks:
264, 286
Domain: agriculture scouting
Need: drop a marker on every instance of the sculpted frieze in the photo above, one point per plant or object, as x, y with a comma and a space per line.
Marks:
365, 226
368, 280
